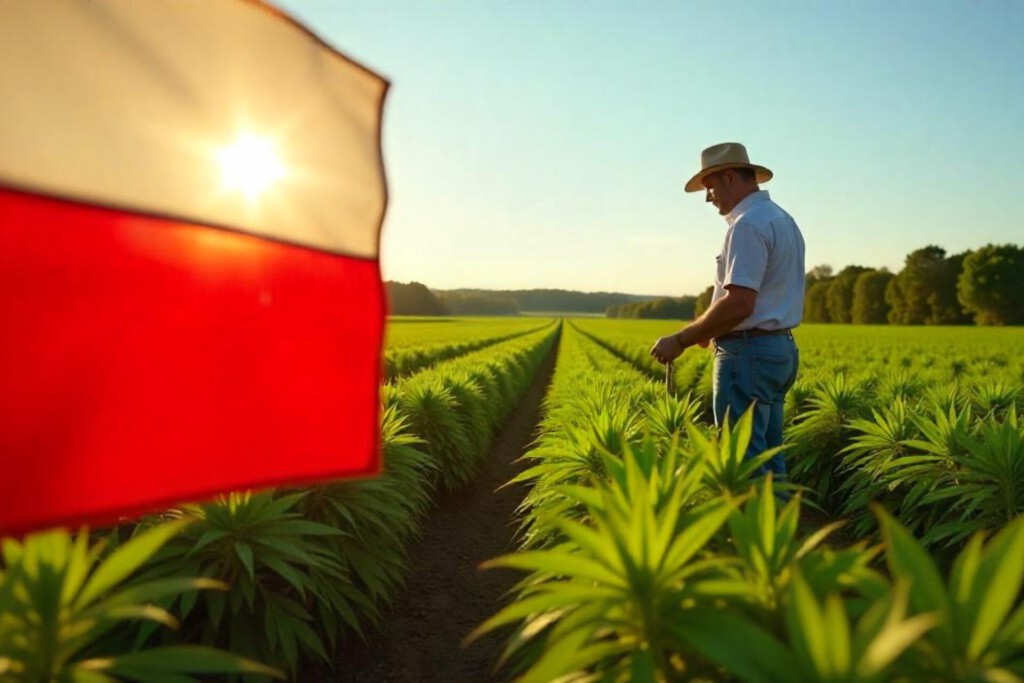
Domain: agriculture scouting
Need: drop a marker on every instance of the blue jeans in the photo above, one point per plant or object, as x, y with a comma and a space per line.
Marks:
758, 370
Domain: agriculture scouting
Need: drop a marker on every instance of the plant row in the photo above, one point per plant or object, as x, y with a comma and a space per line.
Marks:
277, 577
650, 555
691, 372
946, 455
406, 360
949, 460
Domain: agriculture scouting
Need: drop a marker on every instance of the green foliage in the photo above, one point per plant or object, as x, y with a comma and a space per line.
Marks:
609, 597
816, 302
770, 547
873, 464
464, 303
943, 298
821, 433
433, 414
728, 469
703, 301
421, 347
985, 488
913, 289
276, 564
869, 306
839, 296
668, 417
925, 425
991, 283
819, 641
413, 299
61, 598
377, 517
979, 632
664, 308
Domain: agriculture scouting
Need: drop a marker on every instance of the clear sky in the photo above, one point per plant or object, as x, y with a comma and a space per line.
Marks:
545, 143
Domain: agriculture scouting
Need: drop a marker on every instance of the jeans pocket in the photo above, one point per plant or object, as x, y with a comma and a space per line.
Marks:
771, 376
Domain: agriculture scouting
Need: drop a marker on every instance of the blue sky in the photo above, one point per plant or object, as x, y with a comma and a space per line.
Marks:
545, 144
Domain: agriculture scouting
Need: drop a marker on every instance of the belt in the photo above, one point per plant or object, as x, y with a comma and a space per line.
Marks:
754, 332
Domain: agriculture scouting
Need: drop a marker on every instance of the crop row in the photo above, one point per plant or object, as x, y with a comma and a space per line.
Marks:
945, 453
272, 576
649, 556
405, 360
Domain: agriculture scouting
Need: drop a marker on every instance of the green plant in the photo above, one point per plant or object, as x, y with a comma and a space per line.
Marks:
727, 469
769, 548
666, 416
276, 564
432, 411
867, 463
986, 490
820, 434
979, 635
61, 597
576, 454
995, 398
378, 517
821, 642
608, 598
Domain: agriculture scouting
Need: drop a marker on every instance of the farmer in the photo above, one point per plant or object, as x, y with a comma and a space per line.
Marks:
758, 299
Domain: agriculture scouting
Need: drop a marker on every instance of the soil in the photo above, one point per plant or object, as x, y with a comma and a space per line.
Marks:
447, 595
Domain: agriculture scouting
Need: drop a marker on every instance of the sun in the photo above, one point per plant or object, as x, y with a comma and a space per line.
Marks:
250, 165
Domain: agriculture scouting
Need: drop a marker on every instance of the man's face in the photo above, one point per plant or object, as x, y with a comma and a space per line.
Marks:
720, 190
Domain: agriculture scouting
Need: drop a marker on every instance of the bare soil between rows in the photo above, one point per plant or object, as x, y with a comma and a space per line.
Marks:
447, 595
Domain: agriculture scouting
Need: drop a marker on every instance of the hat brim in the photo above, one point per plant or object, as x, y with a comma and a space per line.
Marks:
761, 175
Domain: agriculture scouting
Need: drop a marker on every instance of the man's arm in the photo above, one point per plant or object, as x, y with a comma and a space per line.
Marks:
722, 316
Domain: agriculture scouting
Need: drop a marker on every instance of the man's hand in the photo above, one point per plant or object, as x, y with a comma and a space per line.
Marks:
667, 349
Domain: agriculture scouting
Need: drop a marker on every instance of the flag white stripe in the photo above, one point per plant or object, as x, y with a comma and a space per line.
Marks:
138, 104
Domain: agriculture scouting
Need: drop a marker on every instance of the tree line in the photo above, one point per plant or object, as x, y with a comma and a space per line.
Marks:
664, 308
556, 300
415, 298
982, 287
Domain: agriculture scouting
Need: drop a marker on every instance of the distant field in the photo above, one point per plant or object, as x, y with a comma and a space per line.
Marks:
560, 314
404, 331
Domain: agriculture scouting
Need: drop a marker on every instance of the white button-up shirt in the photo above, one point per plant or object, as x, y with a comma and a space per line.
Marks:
764, 251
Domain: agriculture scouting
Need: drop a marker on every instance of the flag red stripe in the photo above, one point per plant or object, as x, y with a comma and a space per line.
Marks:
146, 362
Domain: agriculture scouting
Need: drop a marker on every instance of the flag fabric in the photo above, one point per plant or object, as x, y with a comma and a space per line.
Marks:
191, 198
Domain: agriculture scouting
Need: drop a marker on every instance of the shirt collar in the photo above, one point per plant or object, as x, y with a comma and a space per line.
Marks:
745, 203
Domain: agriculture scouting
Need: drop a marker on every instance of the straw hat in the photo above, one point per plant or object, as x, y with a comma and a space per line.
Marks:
723, 156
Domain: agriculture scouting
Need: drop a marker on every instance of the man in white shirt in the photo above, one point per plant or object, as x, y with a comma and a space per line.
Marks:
758, 299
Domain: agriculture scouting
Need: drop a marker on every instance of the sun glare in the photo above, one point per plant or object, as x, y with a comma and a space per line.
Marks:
249, 165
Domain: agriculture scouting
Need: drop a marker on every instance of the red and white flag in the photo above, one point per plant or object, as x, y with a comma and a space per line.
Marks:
191, 198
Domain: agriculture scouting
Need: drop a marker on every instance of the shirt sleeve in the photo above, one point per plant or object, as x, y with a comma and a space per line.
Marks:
746, 257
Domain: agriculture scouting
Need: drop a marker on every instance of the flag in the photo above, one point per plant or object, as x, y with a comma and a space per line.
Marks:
191, 198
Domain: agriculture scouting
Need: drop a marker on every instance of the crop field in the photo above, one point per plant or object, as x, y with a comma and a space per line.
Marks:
637, 546
414, 343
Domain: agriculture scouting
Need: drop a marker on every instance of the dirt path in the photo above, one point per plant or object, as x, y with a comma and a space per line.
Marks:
446, 596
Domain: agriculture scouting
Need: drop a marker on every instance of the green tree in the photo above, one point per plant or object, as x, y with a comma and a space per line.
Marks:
913, 294
839, 296
413, 299
869, 304
816, 302
817, 274
942, 300
458, 303
703, 302
991, 283
895, 301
